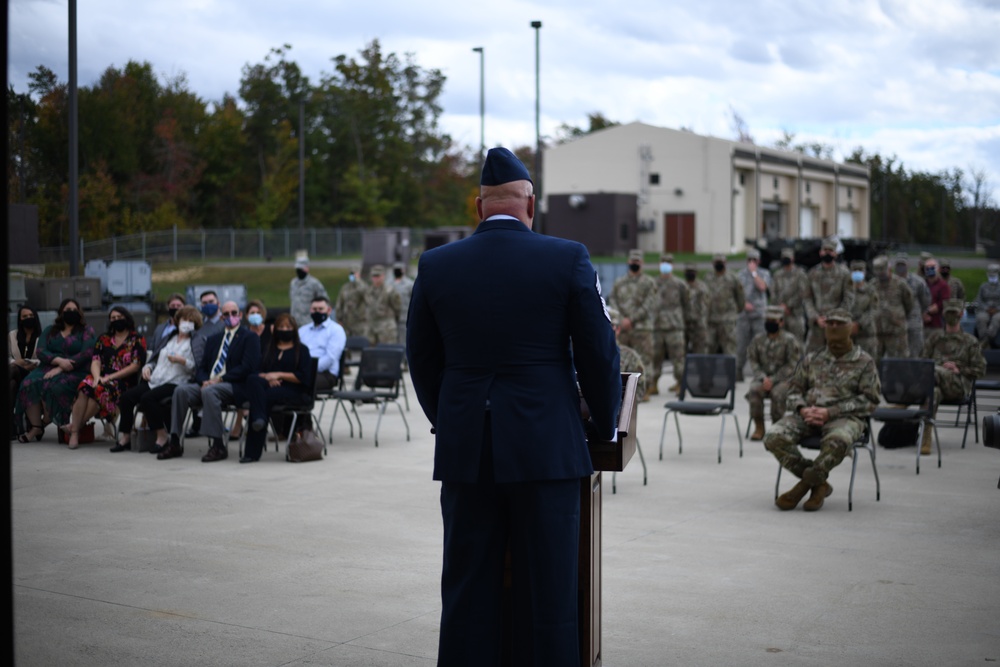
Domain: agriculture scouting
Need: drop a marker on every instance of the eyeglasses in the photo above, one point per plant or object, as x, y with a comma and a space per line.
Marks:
230, 313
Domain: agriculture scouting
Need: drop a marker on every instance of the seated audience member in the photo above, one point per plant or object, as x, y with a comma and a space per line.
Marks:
283, 379
256, 318
22, 358
958, 361
171, 366
326, 340
163, 330
773, 356
830, 394
119, 355
987, 306
629, 359
64, 353
211, 324
231, 356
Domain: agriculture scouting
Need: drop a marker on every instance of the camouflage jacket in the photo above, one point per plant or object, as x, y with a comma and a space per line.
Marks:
775, 358
300, 296
988, 296
957, 288
697, 313
350, 307
921, 300
961, 348
672, 304
790, 288
865, 310
829, 288
382, 305
634, 296
631, 362
725, 297
404, 286
895, 303
847, 386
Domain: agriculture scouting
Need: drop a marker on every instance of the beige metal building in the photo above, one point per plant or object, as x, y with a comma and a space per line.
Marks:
702, 194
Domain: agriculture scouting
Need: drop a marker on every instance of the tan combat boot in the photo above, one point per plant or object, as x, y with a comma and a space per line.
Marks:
654, 390
758, 430
790, 499
819, 493
925, 445
676, 388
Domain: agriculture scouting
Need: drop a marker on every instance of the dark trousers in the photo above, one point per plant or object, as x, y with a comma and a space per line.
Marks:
262, 398
540, 521
149, 403
326, 381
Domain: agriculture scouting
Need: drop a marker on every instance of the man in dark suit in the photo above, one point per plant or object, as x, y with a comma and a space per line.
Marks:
501, 327
230, 357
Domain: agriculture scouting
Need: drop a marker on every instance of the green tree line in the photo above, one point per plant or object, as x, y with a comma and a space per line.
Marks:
153, 154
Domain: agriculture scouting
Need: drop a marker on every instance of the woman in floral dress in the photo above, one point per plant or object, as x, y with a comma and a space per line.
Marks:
64, 354
118, 355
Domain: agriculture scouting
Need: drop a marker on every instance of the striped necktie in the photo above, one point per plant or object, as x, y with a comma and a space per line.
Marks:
220, 365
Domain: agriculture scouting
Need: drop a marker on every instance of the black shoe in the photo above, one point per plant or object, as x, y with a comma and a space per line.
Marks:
156, 449
192, 433
127, 447
259, 424
215, 453
247, 459
170, 451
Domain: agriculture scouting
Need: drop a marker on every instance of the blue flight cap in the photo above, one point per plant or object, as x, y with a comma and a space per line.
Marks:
501, 167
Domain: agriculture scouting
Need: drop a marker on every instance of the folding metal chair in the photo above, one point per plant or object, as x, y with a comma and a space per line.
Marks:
908, 388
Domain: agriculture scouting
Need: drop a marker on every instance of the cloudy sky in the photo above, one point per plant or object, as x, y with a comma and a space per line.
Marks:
916, 78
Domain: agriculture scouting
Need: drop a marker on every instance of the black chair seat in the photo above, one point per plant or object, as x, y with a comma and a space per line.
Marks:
355, 395
697, 407
899, 414
988, 385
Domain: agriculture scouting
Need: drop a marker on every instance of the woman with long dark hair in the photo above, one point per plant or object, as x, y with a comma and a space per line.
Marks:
119, 354
283, 378
64, 353
21, 344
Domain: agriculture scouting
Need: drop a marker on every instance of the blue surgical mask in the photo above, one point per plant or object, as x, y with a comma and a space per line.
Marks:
255, 319
209, 309
858, 276
666, 267
930, 271
350, 277
993, 279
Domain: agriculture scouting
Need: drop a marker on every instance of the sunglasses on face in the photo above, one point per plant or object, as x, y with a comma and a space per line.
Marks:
230, 313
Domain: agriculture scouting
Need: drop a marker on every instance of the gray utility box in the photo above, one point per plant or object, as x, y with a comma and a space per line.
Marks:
385, 247
440, 236
130, 279
48, 293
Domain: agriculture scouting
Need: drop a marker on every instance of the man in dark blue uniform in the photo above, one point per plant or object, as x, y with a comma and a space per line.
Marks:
501, 328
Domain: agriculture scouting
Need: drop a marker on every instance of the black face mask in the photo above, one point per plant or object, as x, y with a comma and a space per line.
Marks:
945, 273
318, 318
301, 273
398, 273
634, 268
826, 259
786, 261
172, 312
119, 325
771, 326
284, 336
720, 266
72, 317
690, 276
30, 323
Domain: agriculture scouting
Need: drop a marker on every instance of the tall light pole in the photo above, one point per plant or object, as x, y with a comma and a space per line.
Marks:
74, 154
482, 104
537, 25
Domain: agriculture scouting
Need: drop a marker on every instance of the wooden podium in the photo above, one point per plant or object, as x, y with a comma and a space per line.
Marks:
607, 456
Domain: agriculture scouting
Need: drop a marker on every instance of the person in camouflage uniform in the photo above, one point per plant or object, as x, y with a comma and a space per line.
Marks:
921, 302
773, 356
696, 322
987, 306
725, 302
382, 309
668, 324
789, 288
350, 308
403, 284
634, 296
629, 359
958, 361
895, 302
830, 394
865, 310
302, 289
954, 284
829, 288
750, 323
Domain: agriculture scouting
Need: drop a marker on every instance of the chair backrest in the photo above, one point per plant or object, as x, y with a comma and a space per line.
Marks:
992, 363
311, 381
709, 376
356, 344
907, 381
382, 368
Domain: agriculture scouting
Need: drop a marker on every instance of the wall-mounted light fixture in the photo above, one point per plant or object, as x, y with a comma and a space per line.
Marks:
577, 201
679, 192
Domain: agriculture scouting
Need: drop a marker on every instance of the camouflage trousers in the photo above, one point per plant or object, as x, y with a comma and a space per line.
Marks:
747, 328
987, 326
779, 399
893, 344
721, 337
640, 340
836, 438
948, 386
869, 344
668, 344
386, 332
694, 338
915, 338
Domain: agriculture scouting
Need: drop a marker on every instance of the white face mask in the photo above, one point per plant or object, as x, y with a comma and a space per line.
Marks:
185, 326
994, 279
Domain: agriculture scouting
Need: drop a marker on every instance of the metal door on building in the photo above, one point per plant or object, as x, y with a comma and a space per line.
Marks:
678, 232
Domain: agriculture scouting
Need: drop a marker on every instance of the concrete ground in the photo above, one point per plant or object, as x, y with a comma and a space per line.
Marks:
120, 559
